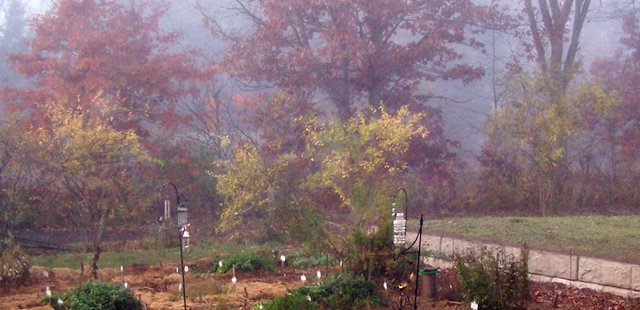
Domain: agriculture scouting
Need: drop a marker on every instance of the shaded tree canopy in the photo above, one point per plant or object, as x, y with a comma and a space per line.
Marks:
354, 52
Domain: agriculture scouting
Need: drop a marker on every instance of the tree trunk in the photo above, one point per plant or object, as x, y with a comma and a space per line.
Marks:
341, 92
98, 241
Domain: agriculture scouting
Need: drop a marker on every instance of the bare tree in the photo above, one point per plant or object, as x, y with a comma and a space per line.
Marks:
558, 67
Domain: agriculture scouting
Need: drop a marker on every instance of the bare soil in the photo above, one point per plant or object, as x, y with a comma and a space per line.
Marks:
159, 287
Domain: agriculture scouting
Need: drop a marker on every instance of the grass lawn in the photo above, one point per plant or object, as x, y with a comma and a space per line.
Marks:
609, 237
143, 257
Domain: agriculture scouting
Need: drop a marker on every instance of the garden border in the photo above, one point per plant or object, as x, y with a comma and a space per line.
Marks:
601, 275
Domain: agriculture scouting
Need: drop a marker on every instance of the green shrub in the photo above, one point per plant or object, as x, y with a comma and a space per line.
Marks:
348, 292
290, 301
99, 295
52, 301
371, 255
245, 261
305, 259
337, 292
494, 281
14, 264
449, 285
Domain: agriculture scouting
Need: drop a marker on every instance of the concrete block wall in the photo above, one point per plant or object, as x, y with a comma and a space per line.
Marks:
583, 272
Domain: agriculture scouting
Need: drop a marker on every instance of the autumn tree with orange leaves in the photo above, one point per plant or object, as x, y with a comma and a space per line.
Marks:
82, 48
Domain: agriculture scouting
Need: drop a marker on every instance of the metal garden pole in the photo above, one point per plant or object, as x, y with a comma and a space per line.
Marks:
415, 294
184, 288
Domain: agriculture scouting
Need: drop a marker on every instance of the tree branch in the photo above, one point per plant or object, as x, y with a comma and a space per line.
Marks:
535, 33
580, 14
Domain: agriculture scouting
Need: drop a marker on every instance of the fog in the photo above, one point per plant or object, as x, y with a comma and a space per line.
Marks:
468, 106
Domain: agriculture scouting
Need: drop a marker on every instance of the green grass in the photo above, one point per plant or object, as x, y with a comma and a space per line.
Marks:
143, 257
608, 237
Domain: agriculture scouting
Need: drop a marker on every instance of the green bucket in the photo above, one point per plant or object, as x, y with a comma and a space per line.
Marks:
429, 272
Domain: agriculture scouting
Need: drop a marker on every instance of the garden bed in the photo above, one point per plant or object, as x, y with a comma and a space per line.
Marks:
157, 286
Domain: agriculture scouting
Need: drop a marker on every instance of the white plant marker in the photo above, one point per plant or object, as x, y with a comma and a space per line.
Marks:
340, 263
121, 268
261, 307
474, 305
177, 269
220, 263
60, 302
180, 287
126, 285
186, 268
303, 278
45, 274
308, 297
282, 259
234, 279
385, 285
47, 292
318, 274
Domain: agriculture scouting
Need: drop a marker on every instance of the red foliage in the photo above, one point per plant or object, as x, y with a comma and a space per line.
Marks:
82, 48
622, 75
355, 51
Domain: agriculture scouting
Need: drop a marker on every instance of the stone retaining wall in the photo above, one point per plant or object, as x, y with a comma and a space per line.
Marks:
583, 272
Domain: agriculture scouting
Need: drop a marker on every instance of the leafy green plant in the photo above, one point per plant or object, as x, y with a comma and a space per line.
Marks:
305, 259
449, 285
494, 280
14, 264
371, 254
336, 292
97, 295
53, 302
290, 301
245, 261
348, 292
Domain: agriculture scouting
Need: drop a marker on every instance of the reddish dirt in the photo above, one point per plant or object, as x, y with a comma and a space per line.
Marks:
157, 287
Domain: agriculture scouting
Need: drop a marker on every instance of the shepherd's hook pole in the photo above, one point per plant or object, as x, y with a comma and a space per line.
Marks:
184, 288
415, 294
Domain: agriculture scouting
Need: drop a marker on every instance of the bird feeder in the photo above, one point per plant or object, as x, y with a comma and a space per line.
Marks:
399, 227
183, 214
185, 240
167, 207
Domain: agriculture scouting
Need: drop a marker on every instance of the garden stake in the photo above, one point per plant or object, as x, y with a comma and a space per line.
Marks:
122, 258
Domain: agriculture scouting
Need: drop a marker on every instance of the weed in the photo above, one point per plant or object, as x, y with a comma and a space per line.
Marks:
494, 280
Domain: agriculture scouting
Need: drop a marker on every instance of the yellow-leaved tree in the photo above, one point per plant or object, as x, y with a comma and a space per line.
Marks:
532, 143
92, 166
344, 177
363, 161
